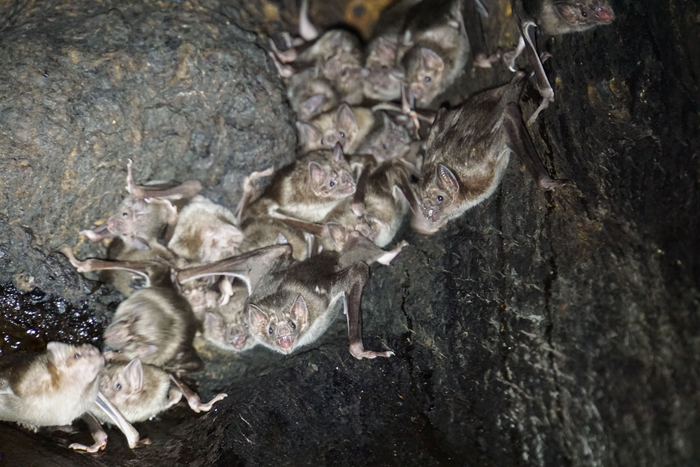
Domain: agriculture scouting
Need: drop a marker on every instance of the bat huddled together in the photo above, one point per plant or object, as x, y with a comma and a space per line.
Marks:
277, 270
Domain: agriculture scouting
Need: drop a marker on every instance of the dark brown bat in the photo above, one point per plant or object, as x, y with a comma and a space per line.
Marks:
56, 387
345, 126
553, 18
140, 391
467, 153
433, 48
297, 301
147, 215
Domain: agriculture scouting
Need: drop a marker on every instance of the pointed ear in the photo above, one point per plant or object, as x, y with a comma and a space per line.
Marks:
313, 104
445, 179
133, 373
386, 47
281, 239
213, 321
431, 60
386, 121
317, 173
338, 155
257, 318
58, 353
145, 349
300, 311
568, 12
309, 135
345, 119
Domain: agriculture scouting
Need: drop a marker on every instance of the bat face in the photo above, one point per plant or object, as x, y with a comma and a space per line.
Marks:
279, 328
425, 72
332, 178
121, 383
438, 197
389, 142
583, 15
78, 364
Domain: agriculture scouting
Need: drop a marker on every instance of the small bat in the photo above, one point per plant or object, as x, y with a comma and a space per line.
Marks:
387, 140
345, 126
205, 232
140, 391
553, 18
56, 387
311, 94
147, 215
433, 48
467, 153
155, 323
226, 326
307, 189
384, 78
296, 302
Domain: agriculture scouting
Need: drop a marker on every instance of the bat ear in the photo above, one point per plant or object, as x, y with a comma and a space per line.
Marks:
431, 60
445, 179
133, 373
144, 350
308, 134
568, 12
213, 321
346, 120
281, 239
300, 311
312, 105
59, 353
386, 48
317, 175
338, 155
386, 121
337, 233
257, 318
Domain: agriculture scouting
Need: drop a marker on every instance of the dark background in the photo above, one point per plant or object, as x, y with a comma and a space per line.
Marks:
543, 329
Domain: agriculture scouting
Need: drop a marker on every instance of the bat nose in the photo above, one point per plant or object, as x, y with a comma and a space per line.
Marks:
605, 15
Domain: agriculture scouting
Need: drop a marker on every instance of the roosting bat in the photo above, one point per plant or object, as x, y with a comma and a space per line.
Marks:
553, 18
467, 153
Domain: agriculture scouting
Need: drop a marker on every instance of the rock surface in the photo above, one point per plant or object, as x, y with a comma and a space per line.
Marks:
540, 329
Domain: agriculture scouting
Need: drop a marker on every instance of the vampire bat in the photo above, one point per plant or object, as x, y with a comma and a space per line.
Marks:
226, 326
155, 323
433, 48
140, 391
387, 140
205, 232
337, 57
296, 302
311, 94
147, 215
553, 18
384, 78
345, 126
467, 153
56, 387
307, 189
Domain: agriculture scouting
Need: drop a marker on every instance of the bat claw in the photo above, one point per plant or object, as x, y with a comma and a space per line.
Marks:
358, 351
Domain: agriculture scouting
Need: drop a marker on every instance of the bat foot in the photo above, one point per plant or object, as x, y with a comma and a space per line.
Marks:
358, 351
485, 61
196, 404
285, 71
98, 446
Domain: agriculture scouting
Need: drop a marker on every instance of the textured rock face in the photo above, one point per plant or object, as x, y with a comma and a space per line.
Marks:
541, 329
86, 85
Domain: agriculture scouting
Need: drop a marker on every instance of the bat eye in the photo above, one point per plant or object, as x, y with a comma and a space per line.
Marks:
270, 330
342, 135
426, 79
584, 14
384, 146
125, 215
440, 198
118, 386
291, 323
344, 73
332, 184
245, 325
78, 355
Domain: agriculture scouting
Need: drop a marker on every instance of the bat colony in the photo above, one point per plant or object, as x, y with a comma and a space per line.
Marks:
278, 270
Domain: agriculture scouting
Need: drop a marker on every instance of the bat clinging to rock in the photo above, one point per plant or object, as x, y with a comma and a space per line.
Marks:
553, 18
467, 153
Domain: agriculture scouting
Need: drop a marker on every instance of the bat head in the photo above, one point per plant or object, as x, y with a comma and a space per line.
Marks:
344, 129
584, 14
389, 141
425, 71
331, 179
438, 196
279, 329
121, 383
81, 363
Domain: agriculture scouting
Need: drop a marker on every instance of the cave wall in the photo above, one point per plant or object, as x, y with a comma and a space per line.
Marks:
542, 329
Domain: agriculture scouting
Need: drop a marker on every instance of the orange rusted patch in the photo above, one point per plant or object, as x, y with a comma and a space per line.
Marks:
363, 14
